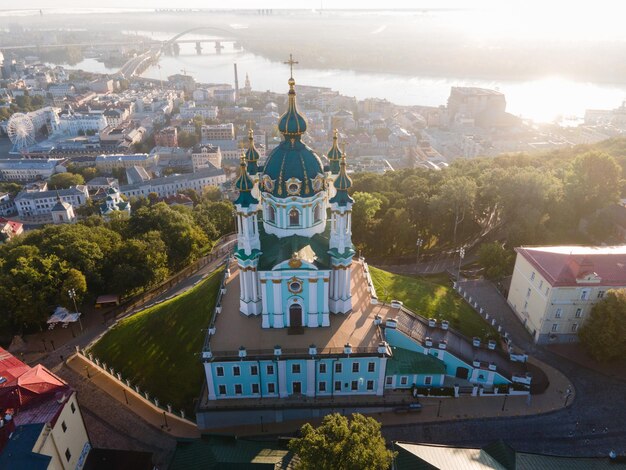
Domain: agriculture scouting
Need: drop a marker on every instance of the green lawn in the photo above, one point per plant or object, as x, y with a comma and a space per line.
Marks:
431, 298
158, 349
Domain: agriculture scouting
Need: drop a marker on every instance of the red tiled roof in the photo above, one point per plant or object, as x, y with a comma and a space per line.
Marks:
577, 265
15, 226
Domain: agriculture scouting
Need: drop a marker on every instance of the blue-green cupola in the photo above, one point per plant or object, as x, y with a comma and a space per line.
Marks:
334, 155
342, 184
252, 155
244, 185
292, 168
292, 124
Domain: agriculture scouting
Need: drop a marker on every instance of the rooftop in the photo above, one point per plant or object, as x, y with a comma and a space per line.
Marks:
578, 265
18, 452
234, 329
203, 173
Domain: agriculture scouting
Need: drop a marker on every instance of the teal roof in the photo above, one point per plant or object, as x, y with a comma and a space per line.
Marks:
18, 452
342, 183
252, 155
334, 156
276, 250
212, 452
408, 362
292, 123
244, 184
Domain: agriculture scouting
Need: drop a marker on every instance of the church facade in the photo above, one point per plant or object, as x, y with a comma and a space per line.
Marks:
295, 264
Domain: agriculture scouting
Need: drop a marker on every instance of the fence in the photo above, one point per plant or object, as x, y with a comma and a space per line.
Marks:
126, 384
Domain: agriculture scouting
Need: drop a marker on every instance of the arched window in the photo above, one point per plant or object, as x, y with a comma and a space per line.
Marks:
294, 218
317, 213
271, 213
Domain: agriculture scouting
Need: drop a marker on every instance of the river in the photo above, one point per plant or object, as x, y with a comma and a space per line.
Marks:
545, 100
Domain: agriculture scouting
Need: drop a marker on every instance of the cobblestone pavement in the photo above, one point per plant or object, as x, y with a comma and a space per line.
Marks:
113, 426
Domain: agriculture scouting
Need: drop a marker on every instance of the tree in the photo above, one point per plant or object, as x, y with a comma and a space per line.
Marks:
342, 444
604, 332
186, 140
65, 180
496, 260
455, 201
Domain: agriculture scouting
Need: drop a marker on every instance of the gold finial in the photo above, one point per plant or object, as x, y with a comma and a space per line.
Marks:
291, 63
241, 145
335, 134
343, 148
250, 134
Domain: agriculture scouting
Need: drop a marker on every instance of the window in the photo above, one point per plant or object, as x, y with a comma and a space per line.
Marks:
322, 368
532, 276
68, 454
295, 368
255, 389
64, 426
388, 380
579, 312
528, 293
254, 370
371, 367
222, 390
540, 284
236, 371
238, 389
322, 386
294, 218
404, 380
317, 213
295, 287
370, 385
355, 367
72, 407
558, 312
355, 385
271, 388
337, 386
525, 305
337, 367
601, 294
584, 295
574, 327
270, 369
555, 327
428, 380
219, 371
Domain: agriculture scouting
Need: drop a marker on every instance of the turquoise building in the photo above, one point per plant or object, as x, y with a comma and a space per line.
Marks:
298, 313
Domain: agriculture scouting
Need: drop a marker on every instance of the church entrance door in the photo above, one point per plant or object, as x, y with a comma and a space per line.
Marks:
295, 316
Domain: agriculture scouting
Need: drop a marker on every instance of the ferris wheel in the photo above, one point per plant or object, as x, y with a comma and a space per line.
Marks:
21, 131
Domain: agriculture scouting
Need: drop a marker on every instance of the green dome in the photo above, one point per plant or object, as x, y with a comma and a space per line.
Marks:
252, 155
244, 184
334, 155
293, 159
342, 183
292, 123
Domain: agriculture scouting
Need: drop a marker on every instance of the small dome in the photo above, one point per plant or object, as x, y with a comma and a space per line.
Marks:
292, 123
244, 184
252, 155
342, 183
334, 155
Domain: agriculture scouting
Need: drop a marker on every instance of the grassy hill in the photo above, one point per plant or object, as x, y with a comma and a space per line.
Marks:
158, 348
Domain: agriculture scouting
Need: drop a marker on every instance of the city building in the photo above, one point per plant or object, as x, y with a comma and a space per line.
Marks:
480, 107
229, 149
107, 163
204, 156
73, 124
190, 109
136, 174
218, 131
9, 229
43, 427
24, 170
7, 206
224, 95
114, 203
298, 315
102, 182
62, 213
167, 137
170, 185
40, 203
554, 288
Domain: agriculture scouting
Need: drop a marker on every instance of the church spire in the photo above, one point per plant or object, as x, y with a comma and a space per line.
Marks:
342, 184
334, 155
252, 154
244, 184
292, 123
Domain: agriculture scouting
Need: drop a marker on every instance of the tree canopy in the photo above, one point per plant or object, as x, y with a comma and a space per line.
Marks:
340, 443
65, 180
604, 332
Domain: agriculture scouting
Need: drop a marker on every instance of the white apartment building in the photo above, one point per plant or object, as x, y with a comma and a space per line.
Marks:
190, 109
206, 156
554, 288
107, 163
29, 169
40, 203
171, 185
76, 124
218, 131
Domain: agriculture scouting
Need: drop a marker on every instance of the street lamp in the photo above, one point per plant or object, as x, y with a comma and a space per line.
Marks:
461, 256
72, 294
419, 244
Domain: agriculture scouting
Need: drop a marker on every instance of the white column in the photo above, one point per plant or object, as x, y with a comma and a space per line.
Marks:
242, 285
282, 378
312, 310
325, 319
310, 378
209, 381
382, 367
265, 314
279, 320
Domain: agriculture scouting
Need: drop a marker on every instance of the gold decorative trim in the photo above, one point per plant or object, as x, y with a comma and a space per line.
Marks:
314, 279
277, 281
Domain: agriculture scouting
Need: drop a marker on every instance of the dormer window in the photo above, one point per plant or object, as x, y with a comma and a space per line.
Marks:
293, 186
294, 218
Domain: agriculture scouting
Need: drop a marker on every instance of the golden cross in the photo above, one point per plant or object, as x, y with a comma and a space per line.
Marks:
291, 63
250, 123
241, 145
343, 148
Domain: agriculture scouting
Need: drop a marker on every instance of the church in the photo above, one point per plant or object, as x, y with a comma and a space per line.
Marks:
295, 264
